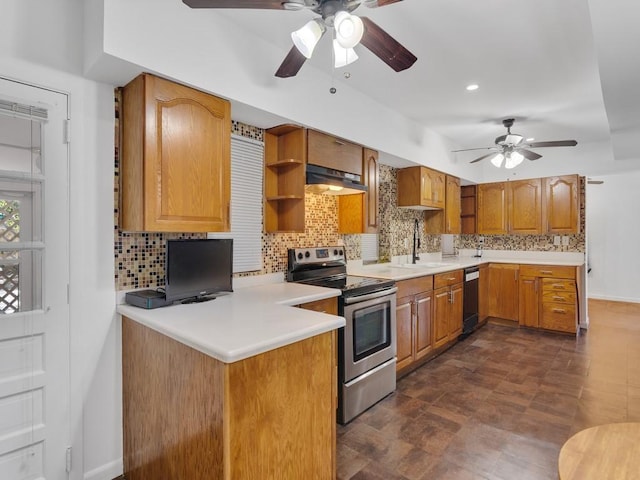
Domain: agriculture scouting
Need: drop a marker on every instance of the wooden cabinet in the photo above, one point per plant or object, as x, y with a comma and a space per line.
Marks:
414, 328
328, 305
562, 204
199, 418
335, 153
483, 293
503, 290
492, 209
468, 209
447, 311
528, 301
525, 206
510, 207
447, 220
284, 178
548, 297
176, 158
359, 213
421, 188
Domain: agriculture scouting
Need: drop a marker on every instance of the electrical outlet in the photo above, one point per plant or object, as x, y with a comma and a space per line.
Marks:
556, 240
481, 240
565, 240
406, 243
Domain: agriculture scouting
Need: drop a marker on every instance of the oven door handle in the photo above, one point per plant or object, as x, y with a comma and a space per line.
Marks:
370, 296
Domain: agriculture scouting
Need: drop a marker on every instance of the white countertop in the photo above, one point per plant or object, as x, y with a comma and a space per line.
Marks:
399, 270
242, 324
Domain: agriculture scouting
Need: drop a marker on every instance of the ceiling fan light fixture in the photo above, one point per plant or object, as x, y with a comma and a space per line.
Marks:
513, 160
306, 38
343, 56
349, 29
513, 139
497, 160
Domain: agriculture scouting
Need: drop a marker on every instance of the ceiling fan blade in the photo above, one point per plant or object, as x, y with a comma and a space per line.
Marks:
480, 148
292, 63
483, 157
264, 4
385, 47
556, 143
528, 154
379, 3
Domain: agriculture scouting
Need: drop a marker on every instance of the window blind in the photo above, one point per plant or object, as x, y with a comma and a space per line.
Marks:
246, 204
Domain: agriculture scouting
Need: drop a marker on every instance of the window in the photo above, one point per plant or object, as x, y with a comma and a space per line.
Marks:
246, 204
21, 179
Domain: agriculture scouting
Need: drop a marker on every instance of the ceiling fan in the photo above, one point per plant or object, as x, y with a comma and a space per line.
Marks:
513, 149
350, 30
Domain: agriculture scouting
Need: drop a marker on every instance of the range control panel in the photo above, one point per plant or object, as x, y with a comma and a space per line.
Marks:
319, 255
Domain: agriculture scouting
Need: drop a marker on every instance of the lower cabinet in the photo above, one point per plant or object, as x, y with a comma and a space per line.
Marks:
548, 297
447, 311
503, 289
414, 325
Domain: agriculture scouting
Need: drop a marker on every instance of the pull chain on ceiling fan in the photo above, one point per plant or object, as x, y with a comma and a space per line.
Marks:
350, 30
512, 149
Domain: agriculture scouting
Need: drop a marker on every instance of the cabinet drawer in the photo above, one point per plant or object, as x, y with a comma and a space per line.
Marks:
551, 284
559, 296
332, 152
328, 305
414, 286
447, 279
551, 271
558, 316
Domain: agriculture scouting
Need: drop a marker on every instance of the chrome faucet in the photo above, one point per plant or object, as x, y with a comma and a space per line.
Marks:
416, 242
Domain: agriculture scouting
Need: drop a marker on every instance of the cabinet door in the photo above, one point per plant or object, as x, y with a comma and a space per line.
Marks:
492, 208
452, 208
525, 206
176, 158
404, 332
562, 204
529, 301
423, 326
371, 179
433, 188
503, 286
441, 309
456, 312
332, 152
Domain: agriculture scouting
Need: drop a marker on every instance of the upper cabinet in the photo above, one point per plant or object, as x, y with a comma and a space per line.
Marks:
562, 204
176, 158
534, 206
421, 188
492, 208
335, 153
359, 213
285, 153
447, 220
468, 209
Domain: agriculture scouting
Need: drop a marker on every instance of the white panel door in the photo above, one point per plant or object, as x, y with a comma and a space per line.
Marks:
34, 277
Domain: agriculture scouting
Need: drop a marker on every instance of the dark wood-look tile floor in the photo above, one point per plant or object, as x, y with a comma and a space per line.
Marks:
500, 404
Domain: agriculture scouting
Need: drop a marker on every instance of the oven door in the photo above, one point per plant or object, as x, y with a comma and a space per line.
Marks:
370, 332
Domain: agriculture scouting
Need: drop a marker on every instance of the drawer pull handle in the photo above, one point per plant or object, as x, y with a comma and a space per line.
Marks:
338, 142
558, 298
546, 272
559, 310
559, 286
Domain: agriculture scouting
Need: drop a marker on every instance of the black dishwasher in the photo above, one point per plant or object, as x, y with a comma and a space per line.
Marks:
470, 304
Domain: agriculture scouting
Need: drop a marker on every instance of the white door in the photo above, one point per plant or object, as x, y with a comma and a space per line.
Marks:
34, 277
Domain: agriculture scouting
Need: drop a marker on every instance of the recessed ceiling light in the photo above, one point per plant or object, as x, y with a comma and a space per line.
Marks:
472, 87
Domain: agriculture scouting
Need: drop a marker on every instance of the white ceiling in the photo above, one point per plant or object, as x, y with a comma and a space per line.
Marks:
563, 69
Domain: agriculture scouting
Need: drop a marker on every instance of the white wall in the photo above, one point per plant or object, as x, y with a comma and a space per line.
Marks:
613, 231
41, 43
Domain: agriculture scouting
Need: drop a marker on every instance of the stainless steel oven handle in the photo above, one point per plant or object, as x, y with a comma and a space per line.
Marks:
370, 296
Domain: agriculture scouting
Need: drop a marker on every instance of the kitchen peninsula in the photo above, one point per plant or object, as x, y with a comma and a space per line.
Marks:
240, 387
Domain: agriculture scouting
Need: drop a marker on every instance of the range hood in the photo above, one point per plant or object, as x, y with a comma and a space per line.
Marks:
332, 182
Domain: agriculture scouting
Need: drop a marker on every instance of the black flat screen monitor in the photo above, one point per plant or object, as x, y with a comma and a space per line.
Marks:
198, 269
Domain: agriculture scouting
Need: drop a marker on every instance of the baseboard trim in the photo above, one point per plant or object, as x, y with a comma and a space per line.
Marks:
609, 298
109, 471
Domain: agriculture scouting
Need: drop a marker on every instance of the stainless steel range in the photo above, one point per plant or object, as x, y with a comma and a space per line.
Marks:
367, 344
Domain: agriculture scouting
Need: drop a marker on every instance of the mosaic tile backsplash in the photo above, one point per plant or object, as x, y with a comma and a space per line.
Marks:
139, 257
